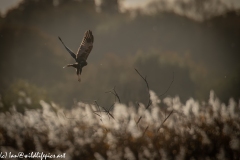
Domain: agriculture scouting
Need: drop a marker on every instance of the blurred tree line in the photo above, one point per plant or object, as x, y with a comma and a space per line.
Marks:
203, 55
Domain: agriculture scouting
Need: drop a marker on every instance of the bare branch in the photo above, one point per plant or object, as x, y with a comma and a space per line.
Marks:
145, 80
97, 113
149, 103
145, 131
168, 87
139, 120
111, 107
164, 120
97, 105
115, 94
107, 111
149, 98
111, 115
99, 110
140, 75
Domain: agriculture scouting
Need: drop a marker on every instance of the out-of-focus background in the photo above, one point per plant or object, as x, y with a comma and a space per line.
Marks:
43, 108
198, 40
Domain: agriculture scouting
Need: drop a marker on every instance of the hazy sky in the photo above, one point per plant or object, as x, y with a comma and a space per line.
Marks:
7, 4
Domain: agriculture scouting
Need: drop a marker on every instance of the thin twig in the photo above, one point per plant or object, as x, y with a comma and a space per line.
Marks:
97, 113
168, 87
107, 111
99, 110
115, 94
149, 99
145, 80
139, 120
97, 105
145, 131
164, 120
111, 107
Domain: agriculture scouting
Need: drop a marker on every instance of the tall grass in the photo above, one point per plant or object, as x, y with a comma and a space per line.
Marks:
195, 130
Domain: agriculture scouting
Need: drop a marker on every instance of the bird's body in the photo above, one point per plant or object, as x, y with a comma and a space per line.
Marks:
82, 53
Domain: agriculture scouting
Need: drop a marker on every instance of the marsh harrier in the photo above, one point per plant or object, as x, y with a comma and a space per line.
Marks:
82, 53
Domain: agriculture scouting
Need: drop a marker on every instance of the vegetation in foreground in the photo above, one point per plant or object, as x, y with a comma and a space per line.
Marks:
168, 129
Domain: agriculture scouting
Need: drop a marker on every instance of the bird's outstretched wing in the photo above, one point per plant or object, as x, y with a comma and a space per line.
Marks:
86, 46
71, 52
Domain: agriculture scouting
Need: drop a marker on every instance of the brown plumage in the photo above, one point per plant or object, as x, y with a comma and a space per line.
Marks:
82, 53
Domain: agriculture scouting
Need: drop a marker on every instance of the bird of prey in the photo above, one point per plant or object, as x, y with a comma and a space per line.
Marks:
82, 53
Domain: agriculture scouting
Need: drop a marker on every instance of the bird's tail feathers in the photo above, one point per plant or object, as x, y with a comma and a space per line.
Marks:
69, 65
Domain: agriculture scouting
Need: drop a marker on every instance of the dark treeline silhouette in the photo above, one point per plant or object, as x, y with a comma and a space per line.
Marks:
203, 55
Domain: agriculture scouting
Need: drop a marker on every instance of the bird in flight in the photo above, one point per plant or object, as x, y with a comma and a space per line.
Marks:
82, 53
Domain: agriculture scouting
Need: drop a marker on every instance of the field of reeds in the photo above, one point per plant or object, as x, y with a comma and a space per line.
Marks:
167, 129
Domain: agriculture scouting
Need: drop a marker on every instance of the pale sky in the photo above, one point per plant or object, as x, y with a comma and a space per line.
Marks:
127, 4
6, 4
